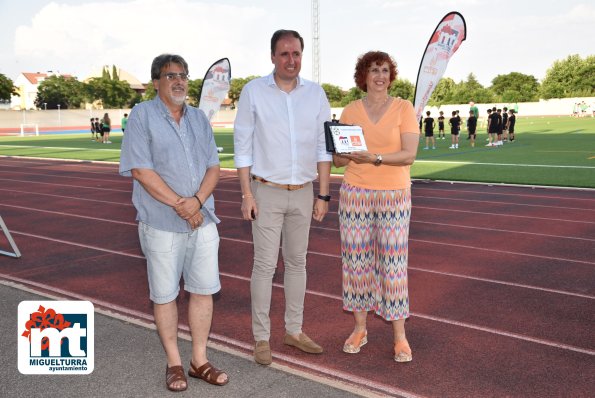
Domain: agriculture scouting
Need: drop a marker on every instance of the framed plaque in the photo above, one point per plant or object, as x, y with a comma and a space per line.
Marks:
344, 138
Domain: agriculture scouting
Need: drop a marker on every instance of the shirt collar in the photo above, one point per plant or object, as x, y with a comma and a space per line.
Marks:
163, 109
271, 80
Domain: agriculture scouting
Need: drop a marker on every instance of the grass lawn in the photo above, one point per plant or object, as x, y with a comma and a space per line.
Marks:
556, 151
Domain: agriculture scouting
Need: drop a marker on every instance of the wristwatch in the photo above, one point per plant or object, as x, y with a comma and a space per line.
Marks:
378, 161
326, 198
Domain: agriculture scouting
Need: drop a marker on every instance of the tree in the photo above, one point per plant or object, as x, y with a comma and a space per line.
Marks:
7, 88
471, 90
150, 92
235, 89
443, 92
353, 94
60, 90
516, 87
112, 93
571, 77
194, 88
334, 94
402, 88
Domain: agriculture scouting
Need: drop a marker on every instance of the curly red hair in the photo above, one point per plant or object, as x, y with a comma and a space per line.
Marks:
368, 59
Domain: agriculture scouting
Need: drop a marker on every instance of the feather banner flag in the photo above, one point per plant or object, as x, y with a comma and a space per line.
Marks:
444, 42
215, 87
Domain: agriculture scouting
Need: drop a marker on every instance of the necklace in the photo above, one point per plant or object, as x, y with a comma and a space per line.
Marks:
377, 104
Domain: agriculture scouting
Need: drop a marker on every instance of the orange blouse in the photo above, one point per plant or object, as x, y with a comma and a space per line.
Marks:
382, 137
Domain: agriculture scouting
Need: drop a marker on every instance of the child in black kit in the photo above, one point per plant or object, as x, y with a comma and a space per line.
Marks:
441, 125
472, 127
429, 131
93, 132
454, 130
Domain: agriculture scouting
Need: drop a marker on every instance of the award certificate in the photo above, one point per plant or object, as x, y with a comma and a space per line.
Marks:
347, 138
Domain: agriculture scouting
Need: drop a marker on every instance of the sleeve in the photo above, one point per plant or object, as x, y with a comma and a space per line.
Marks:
408, 119
136, 146
243, 130
324, 115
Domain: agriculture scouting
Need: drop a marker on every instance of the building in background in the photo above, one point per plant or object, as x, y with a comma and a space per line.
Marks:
26, 84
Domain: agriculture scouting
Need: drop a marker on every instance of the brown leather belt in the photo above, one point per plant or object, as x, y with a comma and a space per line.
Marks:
287, 187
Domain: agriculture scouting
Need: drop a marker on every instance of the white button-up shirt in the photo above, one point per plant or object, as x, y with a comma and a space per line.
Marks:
281, 135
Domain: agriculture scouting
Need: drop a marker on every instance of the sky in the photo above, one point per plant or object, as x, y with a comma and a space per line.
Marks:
77, 37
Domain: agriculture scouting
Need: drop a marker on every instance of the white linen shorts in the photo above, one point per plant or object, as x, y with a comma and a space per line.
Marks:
171, 255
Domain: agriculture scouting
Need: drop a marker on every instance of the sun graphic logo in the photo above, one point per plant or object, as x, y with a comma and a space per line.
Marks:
56, 337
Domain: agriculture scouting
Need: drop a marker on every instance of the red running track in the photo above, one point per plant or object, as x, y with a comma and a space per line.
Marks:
501, 279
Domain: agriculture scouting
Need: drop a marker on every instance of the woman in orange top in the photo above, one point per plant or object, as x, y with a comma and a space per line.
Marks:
375, 204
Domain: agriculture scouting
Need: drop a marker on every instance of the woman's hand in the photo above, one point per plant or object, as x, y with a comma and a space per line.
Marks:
360, 157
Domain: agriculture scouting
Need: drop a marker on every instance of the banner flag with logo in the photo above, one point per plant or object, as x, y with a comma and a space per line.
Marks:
215, 87
444, 42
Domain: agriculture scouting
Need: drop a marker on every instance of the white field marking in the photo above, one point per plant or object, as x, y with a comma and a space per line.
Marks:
505, 194
112, 181
68, 185
503, 215
58, 147
335, 297
484, 201
80, 168
552, 166
355, 385
501, 230
69, 197
60, 213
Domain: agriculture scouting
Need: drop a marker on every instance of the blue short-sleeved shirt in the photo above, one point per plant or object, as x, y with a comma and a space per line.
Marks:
180, 154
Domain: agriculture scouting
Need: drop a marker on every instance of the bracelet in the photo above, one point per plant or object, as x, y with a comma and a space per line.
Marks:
199, 202
247, 195
326, 198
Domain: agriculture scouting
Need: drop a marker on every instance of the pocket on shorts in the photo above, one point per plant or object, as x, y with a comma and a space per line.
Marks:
156, 241
210, 233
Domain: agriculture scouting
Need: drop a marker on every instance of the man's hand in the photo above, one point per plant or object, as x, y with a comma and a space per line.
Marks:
320, 209
249, 209
189, 210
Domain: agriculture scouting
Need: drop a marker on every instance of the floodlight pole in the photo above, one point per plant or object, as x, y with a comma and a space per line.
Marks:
315, 42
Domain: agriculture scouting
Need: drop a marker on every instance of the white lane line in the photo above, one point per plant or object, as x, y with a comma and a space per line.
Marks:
467, 191
70, 186
491, 202
549, 166
69, 197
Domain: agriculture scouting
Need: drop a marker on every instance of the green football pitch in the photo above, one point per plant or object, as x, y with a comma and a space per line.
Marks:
557, 151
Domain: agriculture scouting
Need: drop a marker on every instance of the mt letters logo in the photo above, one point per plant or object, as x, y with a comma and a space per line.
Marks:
56, 337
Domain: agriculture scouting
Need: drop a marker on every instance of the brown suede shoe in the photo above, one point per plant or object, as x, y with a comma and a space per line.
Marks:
304, 343
262, 353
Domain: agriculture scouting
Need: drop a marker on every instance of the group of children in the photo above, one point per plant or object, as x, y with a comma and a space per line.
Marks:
500, 127
100, 129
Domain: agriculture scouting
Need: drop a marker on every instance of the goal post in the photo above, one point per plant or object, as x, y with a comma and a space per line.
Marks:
29, 129
15, 250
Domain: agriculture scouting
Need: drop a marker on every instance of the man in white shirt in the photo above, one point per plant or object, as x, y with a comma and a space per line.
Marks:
279, 151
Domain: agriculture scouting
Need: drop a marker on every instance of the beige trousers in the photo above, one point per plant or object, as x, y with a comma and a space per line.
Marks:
283, 219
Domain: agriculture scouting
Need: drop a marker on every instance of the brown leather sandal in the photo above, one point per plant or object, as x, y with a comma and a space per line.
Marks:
174, 374
208, 373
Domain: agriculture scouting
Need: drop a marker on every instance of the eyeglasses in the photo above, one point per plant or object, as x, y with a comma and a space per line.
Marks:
173, 76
